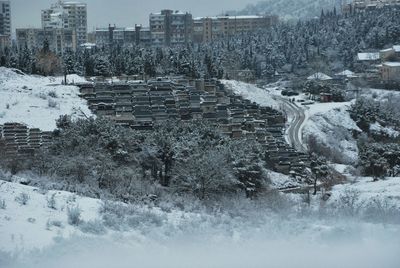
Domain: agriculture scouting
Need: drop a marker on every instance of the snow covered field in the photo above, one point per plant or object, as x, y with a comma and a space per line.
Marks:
264, 97
39, 236
38, 101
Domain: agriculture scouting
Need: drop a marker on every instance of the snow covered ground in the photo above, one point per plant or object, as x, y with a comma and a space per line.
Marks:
331, 125
38, 101
37, 223
264, 97
164, 236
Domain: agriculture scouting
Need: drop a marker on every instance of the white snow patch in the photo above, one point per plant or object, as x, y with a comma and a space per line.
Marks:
38, 101
264, 97
378, 129
332, 125
27, 227
282, 181
387, 189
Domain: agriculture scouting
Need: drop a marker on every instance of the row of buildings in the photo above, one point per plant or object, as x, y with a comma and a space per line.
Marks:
64, 27
354, 5
170, 27
385, 61
139, 105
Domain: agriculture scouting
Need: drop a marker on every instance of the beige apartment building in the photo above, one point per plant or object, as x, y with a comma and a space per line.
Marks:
206, 29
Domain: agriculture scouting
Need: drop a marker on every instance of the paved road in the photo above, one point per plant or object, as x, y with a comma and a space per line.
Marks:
294, 131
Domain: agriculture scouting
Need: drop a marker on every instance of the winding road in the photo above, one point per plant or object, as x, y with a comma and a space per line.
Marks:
297, 118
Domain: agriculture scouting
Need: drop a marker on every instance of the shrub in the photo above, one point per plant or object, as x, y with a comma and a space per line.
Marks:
349, 203
52, 103
55, 223
22, 199
74, 215
93, 227
3, 204
51, 202
53, 94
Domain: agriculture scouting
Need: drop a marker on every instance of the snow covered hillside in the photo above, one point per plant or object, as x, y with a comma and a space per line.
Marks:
253, 93
32, 218
331, 125
245, 235
38, 101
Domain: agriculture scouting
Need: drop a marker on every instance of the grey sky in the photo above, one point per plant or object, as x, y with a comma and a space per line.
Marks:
122, 12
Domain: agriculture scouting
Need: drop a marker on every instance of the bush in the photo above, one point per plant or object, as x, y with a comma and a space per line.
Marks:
22, 199
52, 103
53, 94
55, 223
3, 204
349, 203
74, 215
93, 227
51, 202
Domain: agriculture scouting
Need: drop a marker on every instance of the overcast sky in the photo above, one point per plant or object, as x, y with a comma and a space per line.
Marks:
122, 12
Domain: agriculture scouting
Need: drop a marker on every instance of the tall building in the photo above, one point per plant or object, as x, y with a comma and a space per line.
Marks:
348, 6
5, 18
67, 15
170, 27
5, 25
209, 28
119, 36
59, 40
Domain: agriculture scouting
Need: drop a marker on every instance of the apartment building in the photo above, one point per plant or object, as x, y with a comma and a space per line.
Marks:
209, 28
67, 15
4, 42
5, 18
368, 4
59, 40
120, 36
170, 27
5, 25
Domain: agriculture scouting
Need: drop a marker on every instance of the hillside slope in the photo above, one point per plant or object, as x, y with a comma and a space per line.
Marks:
38, 101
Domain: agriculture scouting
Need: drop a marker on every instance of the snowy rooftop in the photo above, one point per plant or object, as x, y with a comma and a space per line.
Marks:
392, 64
386, 50
365, 56
319, 76
231, 17
346, 73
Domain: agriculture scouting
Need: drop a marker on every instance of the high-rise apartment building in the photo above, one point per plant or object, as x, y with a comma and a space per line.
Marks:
58, 39
5, 18
209, 28
170, 27
67, 15
123, 37
348, 6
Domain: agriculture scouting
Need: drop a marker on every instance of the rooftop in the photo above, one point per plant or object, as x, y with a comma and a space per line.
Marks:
365, 56
231, 17
392, 64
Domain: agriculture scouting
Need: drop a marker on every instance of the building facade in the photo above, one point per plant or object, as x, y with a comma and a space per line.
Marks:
368, 4
59, 40
209, 28
390, 71
67, 15
124, 37
5, 18
170, 27
5, 25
